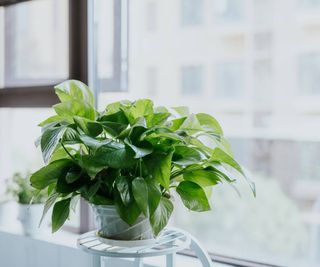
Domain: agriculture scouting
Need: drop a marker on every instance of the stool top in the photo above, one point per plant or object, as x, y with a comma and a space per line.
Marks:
170, 241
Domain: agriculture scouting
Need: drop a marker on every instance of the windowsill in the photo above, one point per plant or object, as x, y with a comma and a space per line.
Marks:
69, 240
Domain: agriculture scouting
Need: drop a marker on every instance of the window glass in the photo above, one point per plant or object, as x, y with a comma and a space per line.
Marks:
249, 79
35, 42
191, 80
192, 12
151, 16
310, 3
18, 152
1, 47
229, 79
107, 44
151, 81
310, 73
229, 10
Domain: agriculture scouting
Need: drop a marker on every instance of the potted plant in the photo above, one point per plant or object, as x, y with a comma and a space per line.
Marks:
31, 202
127, 160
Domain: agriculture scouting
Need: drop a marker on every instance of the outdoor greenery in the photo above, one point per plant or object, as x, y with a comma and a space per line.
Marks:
19, 189
131, 155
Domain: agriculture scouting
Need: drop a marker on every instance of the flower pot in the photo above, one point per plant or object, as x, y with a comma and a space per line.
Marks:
29, 216
111, 226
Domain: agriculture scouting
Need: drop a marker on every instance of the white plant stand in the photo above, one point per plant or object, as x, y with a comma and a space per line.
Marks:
167, 244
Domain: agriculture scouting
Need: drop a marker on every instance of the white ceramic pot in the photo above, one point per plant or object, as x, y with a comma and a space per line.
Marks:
29, 216
111, 226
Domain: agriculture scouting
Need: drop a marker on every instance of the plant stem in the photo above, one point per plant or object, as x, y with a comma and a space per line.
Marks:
140, 169
65, 149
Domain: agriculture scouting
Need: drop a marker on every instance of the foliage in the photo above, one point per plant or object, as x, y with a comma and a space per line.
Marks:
130, 155
19, 189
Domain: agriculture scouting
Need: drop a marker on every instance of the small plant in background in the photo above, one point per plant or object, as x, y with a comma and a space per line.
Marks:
20, 190
130, 155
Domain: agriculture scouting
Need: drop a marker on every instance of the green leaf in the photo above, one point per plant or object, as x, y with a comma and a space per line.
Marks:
70, 136
159, 219
156, 119
184, 155
94, 143
176, 123
74, 90
154, 195
50, 140
69, 109
183, 111
140, 152
209, 122
193, 196
159, 165
129, 213
63, 186
140, 194
123, 187
73, 176
60, 213
51, 119
115, 155
89, 127
220, 156
191, 125
50, 173
91, 166
48, 204
139, 108
202, 177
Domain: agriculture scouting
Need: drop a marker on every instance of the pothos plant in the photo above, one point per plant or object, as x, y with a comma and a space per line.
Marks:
19, 189
132, 155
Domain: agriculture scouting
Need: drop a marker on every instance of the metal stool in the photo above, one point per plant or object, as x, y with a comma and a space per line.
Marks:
168, 243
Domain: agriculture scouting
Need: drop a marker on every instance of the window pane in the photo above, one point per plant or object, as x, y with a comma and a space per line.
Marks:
191, 80
310, 3
252, 79
230, 10
310, 73
229, 79
18, 133
107, 44
191, 12
36, 42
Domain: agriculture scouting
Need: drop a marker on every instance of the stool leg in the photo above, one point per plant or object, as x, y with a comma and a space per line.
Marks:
200, 252
138, 262
170, 260
96, 261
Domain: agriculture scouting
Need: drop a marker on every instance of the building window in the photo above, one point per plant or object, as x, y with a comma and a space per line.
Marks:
309, 70
151, 16
192, 80
192, 12
229, 10
229, 79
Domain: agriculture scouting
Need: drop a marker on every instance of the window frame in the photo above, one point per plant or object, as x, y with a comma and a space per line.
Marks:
43, 95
